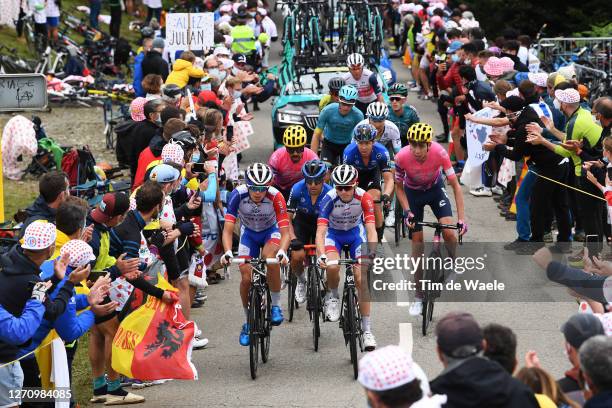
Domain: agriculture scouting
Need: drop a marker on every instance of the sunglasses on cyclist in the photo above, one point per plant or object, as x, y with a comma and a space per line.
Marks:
344, 103
295, 150
395, 98
344, 188
258, 189
314, 181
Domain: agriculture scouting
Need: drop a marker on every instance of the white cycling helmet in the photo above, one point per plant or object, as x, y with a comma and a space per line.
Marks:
258, 174
344, 175
354, 59
377, 111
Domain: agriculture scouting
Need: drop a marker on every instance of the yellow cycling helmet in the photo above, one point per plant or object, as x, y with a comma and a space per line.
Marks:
294, 136
420, 132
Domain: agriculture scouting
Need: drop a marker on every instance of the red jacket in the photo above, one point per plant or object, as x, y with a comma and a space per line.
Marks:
144, 159
451, 78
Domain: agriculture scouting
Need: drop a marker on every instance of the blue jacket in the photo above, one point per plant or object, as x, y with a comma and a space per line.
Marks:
69, 325
17, 330
138, 75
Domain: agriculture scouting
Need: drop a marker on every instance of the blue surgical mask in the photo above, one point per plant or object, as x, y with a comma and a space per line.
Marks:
195, 156
455, 58
214, 72
205, 87
237, 94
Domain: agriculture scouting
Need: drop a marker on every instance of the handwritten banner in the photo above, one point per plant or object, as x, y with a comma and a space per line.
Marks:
23, 92
189, 31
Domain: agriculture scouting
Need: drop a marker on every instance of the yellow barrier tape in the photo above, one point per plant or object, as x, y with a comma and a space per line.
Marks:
25, 355
568, 186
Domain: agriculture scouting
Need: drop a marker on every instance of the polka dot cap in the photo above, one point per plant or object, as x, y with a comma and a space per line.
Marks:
385, 369
79, 251
172, 153
39, 235
569, 95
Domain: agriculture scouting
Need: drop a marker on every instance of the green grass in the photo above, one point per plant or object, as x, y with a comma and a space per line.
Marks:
18, 195
81, 373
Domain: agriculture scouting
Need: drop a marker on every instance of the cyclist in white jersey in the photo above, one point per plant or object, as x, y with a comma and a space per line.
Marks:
364, 80
387, 132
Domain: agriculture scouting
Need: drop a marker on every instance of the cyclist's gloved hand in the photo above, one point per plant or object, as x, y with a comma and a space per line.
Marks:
409, 218
281, 255
296, 245
322, 261
227, 257
463, 227
386, 200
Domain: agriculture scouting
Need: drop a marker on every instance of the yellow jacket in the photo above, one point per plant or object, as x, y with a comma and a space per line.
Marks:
181, 72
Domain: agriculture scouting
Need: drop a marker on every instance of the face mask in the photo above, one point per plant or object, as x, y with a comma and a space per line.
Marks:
222, 75
234, 71
252, 14
468, 62
455, 58
205, 87
237, 94
595, 119
158, 120
195, 157
214, 72
557, 104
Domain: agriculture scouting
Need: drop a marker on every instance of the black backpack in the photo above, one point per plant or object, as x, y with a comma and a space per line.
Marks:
122, 147
123, 50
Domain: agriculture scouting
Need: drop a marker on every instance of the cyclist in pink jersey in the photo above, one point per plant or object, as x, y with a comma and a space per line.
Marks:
419, 182
287, 162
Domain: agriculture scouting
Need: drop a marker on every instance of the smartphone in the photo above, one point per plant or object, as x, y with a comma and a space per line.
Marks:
198, 168
95, 275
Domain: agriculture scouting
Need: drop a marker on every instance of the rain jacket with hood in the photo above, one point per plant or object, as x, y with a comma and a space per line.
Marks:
480, 382
39, 210
181, 72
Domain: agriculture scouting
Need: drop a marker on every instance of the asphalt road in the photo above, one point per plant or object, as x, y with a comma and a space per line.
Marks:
297, 376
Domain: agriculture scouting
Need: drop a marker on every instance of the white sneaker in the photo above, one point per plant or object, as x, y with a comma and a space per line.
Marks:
415, 88
390, 220
300, 292
497, 190
416, 308
369, 342
199, 343
197, 333
332, 309
481, 192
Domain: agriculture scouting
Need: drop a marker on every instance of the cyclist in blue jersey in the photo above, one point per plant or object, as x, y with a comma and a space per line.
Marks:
263, 224
400, 113
336, 123
371, 159
303, 204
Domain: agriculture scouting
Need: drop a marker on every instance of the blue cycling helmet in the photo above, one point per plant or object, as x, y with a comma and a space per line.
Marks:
348, 94
364, 132
314, 169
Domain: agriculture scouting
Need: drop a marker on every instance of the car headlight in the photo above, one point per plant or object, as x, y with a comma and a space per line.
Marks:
290, 117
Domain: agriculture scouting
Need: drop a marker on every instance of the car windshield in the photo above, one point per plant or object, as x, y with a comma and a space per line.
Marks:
307, 84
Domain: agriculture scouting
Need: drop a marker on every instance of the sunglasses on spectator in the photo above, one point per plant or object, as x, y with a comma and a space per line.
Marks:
258, 189
295, 150
314, 181
344, 188
395, 98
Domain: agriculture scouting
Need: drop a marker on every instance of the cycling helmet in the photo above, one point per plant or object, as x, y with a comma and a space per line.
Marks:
294, 136
377, 111
398, 89
314, 169
364, 132
354, 59
420, 132
184, 139
336, 83
258, 174
348, 94
171, 91
344, 175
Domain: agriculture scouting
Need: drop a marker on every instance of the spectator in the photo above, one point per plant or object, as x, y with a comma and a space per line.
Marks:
391, 379
468, 379
154, 9
116, 7
53, 19
596, 362
511, 50
95, 6
147, 43
545, 388
144, 131
500, 346
153, 62
151, 85
183, 69
53, 189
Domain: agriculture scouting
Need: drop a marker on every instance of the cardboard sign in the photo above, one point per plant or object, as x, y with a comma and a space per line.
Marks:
187, 31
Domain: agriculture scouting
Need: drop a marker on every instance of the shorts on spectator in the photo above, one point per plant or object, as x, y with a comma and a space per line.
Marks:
11, 379
53, 22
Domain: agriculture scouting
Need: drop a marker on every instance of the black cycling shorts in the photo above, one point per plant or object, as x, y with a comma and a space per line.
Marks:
370, 180
305, 228
331, 153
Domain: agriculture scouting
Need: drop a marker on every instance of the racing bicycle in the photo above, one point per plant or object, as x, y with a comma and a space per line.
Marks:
259, 310
433, 272
315, 291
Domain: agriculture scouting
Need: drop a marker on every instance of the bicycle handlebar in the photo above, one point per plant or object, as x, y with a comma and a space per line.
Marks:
342, 262
267, 261
438, 225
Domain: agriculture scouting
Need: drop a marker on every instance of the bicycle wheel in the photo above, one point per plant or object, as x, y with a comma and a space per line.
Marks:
291, 294
351, 323
254, 323
265, 326
427, 304
314, 299
399, 222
